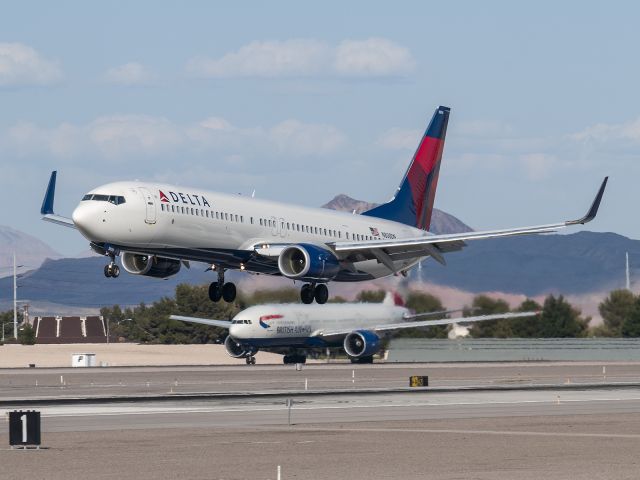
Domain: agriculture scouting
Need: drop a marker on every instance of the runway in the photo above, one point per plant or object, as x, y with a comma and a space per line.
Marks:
573, 433
139, 381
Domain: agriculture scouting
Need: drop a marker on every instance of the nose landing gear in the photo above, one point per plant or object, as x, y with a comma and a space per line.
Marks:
221, 290
112, 270
310, 291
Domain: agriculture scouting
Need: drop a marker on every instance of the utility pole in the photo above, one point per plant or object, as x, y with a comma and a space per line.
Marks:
628, 275
15, 299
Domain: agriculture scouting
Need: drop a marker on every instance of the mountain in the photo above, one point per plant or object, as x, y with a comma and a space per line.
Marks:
578, 263
29, 250
441, 222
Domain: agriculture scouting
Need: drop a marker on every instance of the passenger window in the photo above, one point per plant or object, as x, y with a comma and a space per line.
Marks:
226, 216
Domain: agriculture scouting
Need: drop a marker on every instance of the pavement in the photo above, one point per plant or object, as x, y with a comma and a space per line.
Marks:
559, 433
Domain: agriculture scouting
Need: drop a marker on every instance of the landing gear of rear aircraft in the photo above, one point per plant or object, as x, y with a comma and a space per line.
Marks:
319, 292
220, 290
250, 360
289, 359
111, 270
361, 360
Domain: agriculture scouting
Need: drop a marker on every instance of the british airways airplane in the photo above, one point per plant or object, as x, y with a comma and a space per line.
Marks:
293, 329
156, 228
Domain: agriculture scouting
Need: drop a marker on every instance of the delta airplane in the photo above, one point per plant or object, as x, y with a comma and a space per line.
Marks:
156, 228
294, 329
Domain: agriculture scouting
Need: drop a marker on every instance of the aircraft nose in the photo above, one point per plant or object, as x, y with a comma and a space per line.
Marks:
87, 219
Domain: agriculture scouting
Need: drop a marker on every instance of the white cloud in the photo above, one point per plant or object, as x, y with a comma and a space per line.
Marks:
21, 65
400, 139
129, 74
377, 57
602, 132
297, 57
300, 139
538, 165
126, 137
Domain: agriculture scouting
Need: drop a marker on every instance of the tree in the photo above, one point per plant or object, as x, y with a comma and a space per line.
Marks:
484, 305
528, 327
371, 296
421, 302
631, 325
27, 335
615, 310
560, 319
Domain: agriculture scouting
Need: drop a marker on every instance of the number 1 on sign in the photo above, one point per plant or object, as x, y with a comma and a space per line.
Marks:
23, 419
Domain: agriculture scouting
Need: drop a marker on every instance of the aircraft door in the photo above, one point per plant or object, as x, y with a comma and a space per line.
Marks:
150, 205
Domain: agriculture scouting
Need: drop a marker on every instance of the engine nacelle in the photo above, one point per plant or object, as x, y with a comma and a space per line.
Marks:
237, 350
149, 265
308, 262
361, 343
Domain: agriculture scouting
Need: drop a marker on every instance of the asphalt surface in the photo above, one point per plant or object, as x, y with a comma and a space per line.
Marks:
529, 434
87, 382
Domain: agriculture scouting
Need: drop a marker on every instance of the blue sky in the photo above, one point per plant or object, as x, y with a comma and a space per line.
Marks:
304, 102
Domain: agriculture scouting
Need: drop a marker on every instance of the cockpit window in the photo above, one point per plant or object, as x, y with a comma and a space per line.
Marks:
115, 199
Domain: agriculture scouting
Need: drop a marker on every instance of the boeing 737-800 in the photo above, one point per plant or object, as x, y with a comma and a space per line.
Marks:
294, 329
156, 228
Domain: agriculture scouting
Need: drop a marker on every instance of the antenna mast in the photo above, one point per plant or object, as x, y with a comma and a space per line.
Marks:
627, 273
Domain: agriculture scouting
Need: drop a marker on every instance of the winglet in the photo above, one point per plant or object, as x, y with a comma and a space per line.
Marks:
47, 203
593, 211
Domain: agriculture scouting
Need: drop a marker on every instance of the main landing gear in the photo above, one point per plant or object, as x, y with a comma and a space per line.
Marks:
251, 360
220, 290
112, 270
311, 291
294, 358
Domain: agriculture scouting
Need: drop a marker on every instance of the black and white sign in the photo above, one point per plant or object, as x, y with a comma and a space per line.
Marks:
24, 428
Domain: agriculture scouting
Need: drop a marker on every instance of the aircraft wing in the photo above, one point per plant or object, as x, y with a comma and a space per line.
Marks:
430, 323
203, 321
414, 316
388, 251
47, 205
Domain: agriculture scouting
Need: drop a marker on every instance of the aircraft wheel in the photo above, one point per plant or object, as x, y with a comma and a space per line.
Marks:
306, 293
321, 293
115, 271
107, 271
214, 292
251, 360
288, 359
229, 292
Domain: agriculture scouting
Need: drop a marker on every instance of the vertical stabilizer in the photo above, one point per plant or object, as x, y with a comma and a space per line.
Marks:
413, 202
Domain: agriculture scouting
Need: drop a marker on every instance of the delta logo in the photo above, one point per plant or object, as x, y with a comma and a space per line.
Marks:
266, 318
185, 198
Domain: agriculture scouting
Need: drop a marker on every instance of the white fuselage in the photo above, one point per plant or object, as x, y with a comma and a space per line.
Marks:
295, 325
190, 224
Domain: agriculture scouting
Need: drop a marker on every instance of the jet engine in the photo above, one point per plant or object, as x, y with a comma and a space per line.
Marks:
150, 265
361, 343
237, 350
308, 262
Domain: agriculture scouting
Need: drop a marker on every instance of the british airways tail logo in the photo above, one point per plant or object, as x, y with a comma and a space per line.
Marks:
265, 318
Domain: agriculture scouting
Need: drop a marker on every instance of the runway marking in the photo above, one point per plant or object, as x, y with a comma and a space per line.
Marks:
179, 410
478, 432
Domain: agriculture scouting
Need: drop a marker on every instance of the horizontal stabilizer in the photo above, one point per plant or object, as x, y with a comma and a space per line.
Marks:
202, 321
